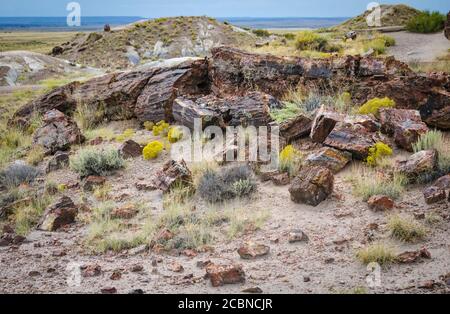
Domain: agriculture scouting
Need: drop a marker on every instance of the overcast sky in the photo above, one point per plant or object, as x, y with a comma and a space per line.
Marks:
215, 8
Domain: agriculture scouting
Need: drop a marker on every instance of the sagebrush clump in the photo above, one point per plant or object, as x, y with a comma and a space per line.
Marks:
16, 174
372, 106
152, 150
308, 40
231, 182
377, 253
90, 161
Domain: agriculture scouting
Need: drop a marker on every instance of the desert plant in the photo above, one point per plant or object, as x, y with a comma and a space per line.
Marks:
289, 36
373, 105
406, 228
376, 152
261, 32
367, 183
90, 161
389, 41
28, 216
87, 116
148, 125
102, 192
309, 40
426, 22
16, 174
243, 187
35, 155
290, 160
126, 135
174, 135
376, 253
161, 128
243, 220
229, 183
434, 140
152, 150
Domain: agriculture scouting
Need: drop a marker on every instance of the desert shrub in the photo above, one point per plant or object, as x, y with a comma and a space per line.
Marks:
434, 140
308, 40
426, 22
161, 128
148, 125
376, 253
243, 187
174, 135
235, 181
388, 40
87, 116
373, 105
367, 183
27, 217
179, 194
261, 32
102, 192
290, 110
290, 160
289, 36
152, 150
126, 135
106, 133
90, 161
406, 228
35, 155
16, 174
244, 220
377, 152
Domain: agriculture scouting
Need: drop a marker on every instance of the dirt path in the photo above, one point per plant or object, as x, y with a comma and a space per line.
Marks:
418, 47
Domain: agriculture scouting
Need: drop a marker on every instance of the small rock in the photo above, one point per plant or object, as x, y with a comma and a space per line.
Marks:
172, 173
297, 236
281, 179
91, 271
96, 141
60, 214
124, 212
253, 290
312, 185
380, 203
58, 161
137, 268
138, 250
136, 291
420, 163
145, 185
330, 158
176, 267
433, 194
34, 273
130, 149
220, 275
306, 279
411, 257
116, 275
91, 182
253, 250
108, 290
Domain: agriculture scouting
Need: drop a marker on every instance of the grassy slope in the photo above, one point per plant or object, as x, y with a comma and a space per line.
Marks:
41, 42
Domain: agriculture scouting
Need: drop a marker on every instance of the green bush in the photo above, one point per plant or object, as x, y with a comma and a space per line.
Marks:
377, 152
308, 40
91, 161
426, 22
261, 32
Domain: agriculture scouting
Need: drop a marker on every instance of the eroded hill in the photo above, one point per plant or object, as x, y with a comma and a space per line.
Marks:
151, 40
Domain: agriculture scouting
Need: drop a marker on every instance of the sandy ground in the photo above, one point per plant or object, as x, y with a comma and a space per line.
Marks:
418, 47
336, 230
